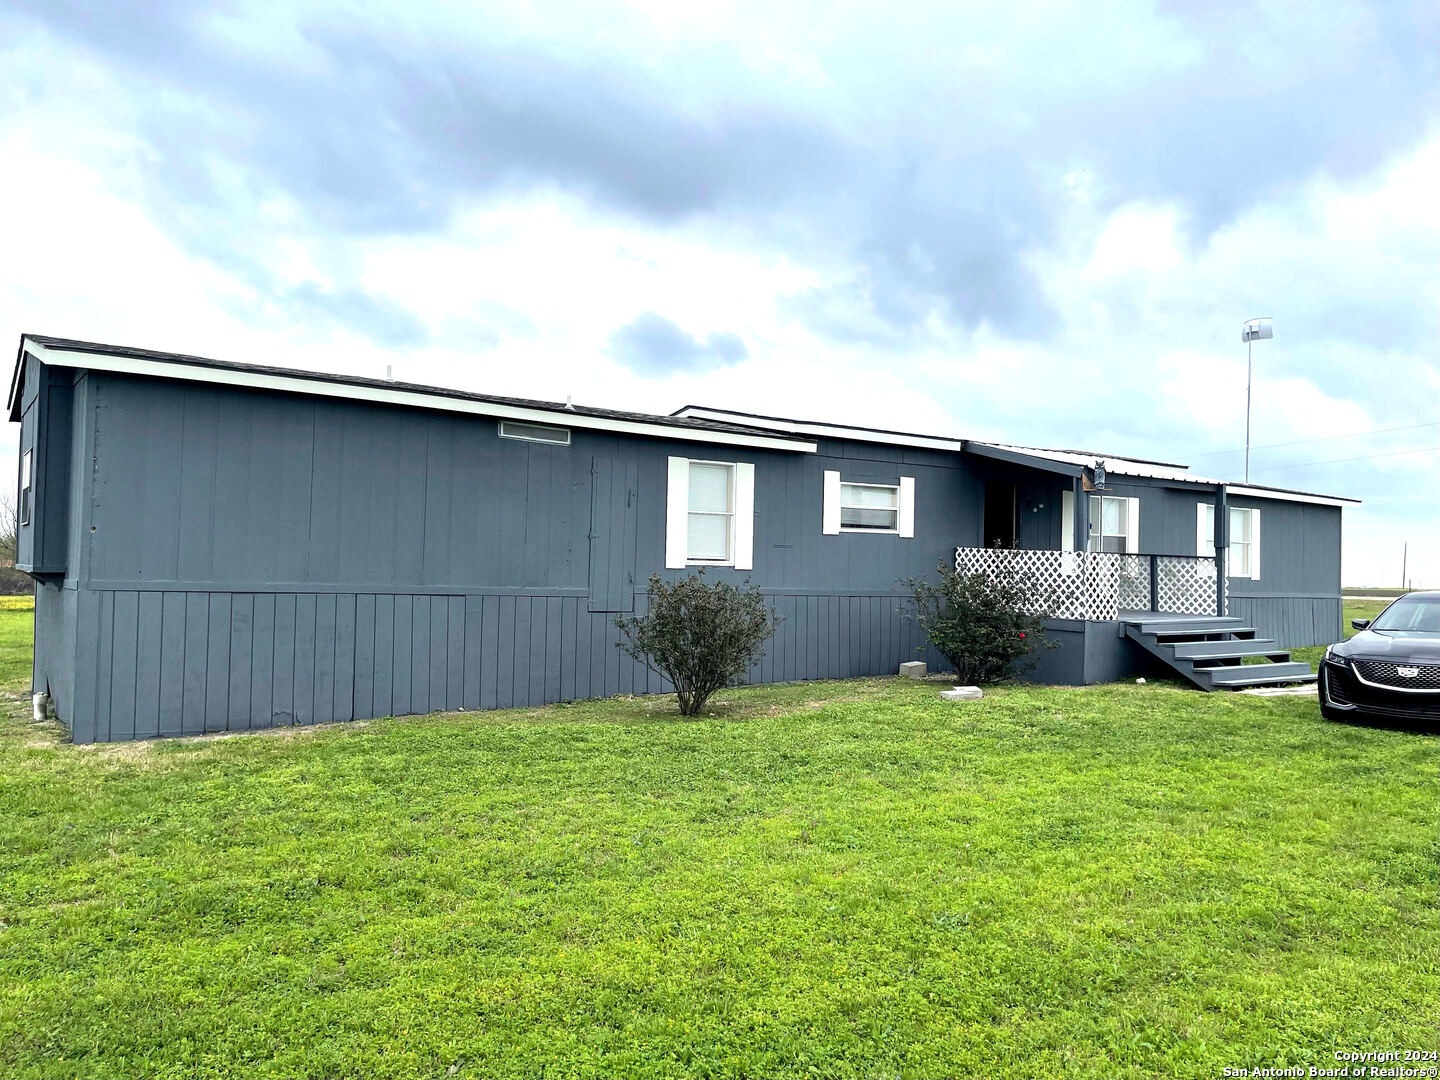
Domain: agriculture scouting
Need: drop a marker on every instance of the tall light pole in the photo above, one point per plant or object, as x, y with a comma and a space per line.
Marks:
1253, 330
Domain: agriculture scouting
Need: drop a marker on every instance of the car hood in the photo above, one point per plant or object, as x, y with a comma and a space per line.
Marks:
1392, 645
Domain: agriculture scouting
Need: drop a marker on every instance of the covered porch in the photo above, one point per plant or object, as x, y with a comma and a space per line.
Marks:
1102, 586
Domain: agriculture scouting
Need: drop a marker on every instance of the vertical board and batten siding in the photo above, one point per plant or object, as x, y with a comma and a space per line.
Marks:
186, 663
260, 559
1296, 599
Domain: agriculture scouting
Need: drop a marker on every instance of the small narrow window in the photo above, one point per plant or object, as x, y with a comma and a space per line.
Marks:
25, 488
514, 429
711, 512
869, 508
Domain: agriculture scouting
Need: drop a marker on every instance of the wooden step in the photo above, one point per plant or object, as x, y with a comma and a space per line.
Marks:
1182, 637
1197, 625
1226, 650
1259, 675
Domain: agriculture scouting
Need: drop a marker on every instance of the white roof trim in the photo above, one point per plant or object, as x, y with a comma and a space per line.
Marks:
828, 431
1288, 496
136, 365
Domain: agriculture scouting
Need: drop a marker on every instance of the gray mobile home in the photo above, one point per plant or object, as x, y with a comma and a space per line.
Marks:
224, 546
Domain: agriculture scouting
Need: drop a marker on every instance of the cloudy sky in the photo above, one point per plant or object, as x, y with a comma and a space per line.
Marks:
1040, 223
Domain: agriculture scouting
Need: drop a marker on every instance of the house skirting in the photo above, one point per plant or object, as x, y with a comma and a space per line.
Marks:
180, 662
1088, 653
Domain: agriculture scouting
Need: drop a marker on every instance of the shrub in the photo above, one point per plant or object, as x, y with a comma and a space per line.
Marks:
980, 623
700, 636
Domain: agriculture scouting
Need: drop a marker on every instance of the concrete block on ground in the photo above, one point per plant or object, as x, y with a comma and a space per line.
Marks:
913, 669
963, 693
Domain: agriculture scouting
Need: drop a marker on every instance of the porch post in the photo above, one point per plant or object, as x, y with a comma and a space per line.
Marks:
1222, 543
1082, 515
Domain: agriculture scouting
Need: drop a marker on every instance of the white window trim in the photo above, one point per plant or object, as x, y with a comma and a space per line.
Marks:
742, 515
1205, 538
832, 503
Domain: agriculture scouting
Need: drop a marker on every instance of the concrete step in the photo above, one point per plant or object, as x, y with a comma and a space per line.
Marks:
1205, 650
1259, 675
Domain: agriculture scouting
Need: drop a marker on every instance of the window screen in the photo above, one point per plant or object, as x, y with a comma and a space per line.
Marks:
513, 429
1240, 561
711, 510
1109, 523
1240, 537
869, 506
25, 488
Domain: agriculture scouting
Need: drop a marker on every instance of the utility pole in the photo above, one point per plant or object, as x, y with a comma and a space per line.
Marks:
1253, 330
1404, 563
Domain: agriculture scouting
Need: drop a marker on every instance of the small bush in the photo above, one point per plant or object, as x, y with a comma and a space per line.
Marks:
700, 636
980, 623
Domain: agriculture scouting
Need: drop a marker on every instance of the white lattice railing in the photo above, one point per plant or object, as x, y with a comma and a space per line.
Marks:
1098, 585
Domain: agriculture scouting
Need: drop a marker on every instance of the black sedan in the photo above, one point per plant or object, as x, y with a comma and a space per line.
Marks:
1391, 668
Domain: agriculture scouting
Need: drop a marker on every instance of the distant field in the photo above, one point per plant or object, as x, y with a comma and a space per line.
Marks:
1378, 590
1353, 609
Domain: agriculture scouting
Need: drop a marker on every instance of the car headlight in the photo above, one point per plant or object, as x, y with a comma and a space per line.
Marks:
1332, 657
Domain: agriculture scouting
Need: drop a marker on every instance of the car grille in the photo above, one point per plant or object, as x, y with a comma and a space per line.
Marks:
1385, 673
1335, 684
1342, 688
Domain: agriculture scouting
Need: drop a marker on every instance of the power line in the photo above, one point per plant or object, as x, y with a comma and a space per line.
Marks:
1306, 442
1366, 457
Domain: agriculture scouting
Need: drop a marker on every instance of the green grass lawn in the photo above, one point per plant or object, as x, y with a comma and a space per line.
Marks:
823, 879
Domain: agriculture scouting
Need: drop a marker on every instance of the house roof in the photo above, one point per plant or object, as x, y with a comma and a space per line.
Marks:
1070, 462
694, 423
66, 352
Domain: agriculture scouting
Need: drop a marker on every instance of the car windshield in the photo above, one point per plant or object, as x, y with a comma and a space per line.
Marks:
1412, 614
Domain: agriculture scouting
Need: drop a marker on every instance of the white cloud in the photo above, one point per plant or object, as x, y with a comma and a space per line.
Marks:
518, 287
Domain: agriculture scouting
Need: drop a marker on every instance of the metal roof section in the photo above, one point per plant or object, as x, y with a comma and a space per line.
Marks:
821, 429
1155, 470
65, 352
1121, 466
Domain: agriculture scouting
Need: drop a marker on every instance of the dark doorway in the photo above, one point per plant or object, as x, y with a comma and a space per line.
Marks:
1001, 512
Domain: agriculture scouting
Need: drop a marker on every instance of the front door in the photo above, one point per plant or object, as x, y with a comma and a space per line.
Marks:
614, 489
1001, 504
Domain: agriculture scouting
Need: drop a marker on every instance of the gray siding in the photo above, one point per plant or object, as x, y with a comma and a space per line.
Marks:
45, 428
256, 559
242, 559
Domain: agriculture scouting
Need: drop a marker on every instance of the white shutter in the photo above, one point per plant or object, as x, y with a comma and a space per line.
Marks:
907, 506
744, 516
830, 512
1204, 530
1067, 521
1132, 527
677, 506
1255, 545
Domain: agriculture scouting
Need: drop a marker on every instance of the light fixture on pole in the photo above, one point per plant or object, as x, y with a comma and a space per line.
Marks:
1254, 330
